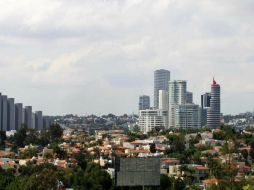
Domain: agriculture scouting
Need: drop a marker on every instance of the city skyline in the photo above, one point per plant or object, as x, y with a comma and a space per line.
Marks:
64, 63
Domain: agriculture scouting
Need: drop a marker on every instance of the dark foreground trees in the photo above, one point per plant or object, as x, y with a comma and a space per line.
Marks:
47, 176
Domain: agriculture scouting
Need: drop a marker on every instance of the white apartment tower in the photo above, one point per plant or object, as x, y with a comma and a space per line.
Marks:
177, 96
152, 119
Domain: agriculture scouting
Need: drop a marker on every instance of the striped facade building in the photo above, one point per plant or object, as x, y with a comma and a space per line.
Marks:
213, 112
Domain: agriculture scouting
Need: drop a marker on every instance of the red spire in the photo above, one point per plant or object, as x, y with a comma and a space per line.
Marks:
214, 82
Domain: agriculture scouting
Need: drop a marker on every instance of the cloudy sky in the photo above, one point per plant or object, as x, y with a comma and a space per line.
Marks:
98, 56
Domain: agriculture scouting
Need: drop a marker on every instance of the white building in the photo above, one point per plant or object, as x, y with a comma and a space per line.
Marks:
182, 112
177, 96
152, 119
163, 100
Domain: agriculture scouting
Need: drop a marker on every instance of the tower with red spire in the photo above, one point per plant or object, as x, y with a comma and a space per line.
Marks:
213, 113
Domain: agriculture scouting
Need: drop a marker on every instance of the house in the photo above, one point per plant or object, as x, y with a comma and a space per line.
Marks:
208, 182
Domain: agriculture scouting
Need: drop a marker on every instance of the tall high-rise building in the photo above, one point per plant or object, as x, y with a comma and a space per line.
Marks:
10, 114
28, 116
4, 113
161, 79
205, 104
213, 112
189, 97
187, 116
205, 100
46, 122
144, 102
18, 115
38, 120
177, 96
163, 100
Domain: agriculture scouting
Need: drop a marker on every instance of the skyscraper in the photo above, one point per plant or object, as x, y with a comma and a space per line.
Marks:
177, 96
187, 116
163, 100
38, 120
213, 112
161, 79
10, 114
46, 122
4, 113
189, 97
205, 104
28, 116
18, 115
144, 102
205, 100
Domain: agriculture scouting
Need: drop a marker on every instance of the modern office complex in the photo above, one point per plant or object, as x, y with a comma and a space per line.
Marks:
213, 112
161, 79
144, 102
171, 98
12, 116
152, 119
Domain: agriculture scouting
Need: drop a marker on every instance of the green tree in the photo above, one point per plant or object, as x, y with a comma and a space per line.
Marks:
55, 132
2, 138
20, 136
153, 148
165, 183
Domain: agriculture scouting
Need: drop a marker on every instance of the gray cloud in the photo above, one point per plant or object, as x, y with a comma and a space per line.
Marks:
97, 56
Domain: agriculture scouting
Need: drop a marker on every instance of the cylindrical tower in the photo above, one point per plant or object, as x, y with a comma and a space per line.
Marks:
213, 113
